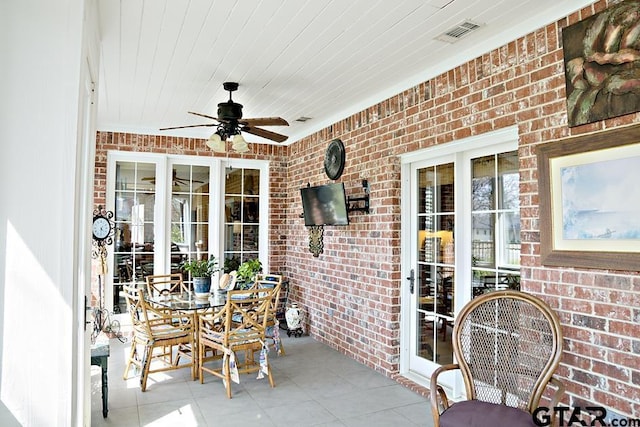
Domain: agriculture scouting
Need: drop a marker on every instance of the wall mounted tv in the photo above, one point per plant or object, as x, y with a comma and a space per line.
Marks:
325, 205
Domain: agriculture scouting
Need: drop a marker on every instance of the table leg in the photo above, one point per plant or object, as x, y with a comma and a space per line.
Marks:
105, 388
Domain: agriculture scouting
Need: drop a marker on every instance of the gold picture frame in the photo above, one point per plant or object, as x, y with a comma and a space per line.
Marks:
589, 189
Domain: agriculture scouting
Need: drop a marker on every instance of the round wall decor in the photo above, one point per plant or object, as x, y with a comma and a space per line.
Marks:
334, 159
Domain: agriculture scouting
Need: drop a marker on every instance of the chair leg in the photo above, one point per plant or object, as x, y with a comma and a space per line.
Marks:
132, 353
201, 353
227, 376
146, 365
194, 365
272, 383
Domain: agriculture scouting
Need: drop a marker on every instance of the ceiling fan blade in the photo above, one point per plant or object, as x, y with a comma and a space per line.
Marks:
264, 121
188, 126
265, 134
185, 181
203, 115
149, 178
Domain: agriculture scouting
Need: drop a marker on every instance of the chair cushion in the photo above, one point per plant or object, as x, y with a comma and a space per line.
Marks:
475, 413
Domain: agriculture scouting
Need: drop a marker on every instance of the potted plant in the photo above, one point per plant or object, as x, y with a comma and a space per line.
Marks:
247, 272
231, 264
201, 271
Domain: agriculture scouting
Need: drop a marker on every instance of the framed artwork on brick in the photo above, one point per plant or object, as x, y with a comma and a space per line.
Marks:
590, 200
602, 64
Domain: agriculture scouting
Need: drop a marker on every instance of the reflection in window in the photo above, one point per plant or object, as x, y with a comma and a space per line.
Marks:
189, 214
495, 197
436, 259
134, 221
242, 208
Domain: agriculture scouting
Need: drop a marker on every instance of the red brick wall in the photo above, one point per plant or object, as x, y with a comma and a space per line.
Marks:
352, 291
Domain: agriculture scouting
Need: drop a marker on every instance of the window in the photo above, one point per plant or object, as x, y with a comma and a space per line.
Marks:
495, 215
242, 216
134, 215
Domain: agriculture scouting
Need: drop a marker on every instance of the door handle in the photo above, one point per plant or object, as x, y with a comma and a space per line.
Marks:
412, 280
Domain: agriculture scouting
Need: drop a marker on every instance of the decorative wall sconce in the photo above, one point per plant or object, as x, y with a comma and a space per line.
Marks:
316, 241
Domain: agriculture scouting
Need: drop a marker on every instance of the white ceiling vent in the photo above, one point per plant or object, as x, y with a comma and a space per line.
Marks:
459, 31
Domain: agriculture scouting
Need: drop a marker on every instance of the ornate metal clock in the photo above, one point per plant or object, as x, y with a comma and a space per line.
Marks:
334, 159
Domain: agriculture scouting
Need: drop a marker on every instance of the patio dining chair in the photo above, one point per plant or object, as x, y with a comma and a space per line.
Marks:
239, 327
156, 337
508, 345
277, 306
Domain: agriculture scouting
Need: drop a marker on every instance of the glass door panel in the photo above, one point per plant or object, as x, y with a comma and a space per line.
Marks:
435, 262
134, 219
242, 207
495, 245
189, 214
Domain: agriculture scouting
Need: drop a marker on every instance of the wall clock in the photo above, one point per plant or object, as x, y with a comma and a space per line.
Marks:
334, 159
102, 227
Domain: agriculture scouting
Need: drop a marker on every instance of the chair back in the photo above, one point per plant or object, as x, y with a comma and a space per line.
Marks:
137, 307
244, 317
165, 284
508, 345
268, 278
271, 281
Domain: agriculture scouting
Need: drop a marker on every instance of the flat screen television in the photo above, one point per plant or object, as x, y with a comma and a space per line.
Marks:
325, 205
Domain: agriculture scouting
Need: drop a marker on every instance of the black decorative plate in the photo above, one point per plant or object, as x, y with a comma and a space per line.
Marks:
334, 159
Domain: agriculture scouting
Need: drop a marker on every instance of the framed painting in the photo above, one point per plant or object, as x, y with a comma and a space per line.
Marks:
602, 64
589, 188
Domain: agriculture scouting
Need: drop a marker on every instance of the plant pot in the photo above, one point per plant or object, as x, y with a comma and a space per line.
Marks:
202, 286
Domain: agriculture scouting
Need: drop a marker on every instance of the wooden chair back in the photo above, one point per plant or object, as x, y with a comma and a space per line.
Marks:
243, 318
137, 308
164, 284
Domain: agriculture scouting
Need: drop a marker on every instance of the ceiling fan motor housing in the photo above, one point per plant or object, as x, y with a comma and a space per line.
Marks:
228, 111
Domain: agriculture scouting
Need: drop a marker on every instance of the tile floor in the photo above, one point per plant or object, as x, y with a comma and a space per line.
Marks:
315, 386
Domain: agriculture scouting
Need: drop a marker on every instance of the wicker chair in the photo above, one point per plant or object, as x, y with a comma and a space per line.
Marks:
157, 334
238, 327
508, 345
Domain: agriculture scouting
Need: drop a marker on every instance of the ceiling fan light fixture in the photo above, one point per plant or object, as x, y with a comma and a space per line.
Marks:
215, 143
239, 144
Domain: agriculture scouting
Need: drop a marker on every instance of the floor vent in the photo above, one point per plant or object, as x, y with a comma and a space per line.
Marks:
459, 31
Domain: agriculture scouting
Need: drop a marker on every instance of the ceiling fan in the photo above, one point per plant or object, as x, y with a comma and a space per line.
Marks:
229, 125
175, 179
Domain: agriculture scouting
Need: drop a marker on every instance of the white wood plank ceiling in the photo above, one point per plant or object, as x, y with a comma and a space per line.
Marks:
322, 59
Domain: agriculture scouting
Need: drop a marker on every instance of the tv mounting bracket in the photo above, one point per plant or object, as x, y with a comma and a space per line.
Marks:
365, 199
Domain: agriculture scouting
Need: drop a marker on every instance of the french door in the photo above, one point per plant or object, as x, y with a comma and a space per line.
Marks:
163, 216
169, 209
460, 238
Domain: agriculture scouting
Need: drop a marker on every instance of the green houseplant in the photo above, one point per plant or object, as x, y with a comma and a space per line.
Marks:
247, 272
201, 271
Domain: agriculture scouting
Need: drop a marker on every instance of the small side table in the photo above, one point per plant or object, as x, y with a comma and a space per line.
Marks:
99, 357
